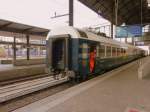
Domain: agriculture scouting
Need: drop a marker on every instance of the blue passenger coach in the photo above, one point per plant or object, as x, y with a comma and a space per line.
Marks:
69, 49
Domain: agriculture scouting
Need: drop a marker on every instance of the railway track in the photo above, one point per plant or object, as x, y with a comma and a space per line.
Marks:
16, 103
18, 89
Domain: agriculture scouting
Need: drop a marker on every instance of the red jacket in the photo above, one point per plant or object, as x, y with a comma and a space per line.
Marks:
92, 61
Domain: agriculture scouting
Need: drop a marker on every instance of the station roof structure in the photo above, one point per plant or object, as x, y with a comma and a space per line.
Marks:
129, 11
14, 27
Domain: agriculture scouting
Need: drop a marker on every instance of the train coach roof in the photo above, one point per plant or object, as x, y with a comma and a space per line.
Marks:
93, 36
80, 33
64, 30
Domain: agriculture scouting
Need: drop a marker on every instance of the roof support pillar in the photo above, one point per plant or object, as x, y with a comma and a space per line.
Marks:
112, 20
70, 12
28, 46
112, 30
126, 40
116, 12
133, 41
116, 17
14, 50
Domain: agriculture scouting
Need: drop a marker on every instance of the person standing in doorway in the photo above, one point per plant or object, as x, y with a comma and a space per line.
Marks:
92, 59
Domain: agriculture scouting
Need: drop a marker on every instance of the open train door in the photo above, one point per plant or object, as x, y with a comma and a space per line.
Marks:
92, 57
57, 58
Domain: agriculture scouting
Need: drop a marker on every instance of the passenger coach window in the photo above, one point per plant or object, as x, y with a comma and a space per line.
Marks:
113, 51
108, 53
118, 52
122, 51
83, 51
102, 51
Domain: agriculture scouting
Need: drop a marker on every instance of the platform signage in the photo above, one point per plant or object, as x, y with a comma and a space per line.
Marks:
135, 30
121, 32
129, 31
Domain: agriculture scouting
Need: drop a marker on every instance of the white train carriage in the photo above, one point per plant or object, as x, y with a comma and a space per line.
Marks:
69, 50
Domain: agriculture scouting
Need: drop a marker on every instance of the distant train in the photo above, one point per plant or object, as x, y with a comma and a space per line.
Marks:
80, 53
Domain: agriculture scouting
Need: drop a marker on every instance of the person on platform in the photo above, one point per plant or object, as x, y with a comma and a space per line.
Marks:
92, 60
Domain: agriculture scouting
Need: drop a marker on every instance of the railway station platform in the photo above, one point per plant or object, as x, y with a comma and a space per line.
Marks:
10, 73
119, 90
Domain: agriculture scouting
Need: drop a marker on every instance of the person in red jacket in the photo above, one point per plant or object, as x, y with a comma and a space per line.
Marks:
92, 60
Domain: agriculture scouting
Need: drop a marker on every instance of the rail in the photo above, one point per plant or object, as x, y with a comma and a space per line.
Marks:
9, 92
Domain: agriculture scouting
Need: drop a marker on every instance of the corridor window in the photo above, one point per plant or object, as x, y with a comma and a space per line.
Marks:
102, 51
108, 53
118, 51
113, 51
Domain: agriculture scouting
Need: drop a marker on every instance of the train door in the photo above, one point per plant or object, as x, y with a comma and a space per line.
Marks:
92, 58
57, 53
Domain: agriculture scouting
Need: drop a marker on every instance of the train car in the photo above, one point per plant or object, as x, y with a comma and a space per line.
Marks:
79, 53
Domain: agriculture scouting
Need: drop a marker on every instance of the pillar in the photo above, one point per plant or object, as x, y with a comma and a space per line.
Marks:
70, 12
112, 20
28, 46
14, 50
133, 41
126, 40
8, 52
112, 30
66, 54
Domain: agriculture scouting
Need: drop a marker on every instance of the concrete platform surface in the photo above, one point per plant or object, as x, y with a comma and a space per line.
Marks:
115, 91
10, 72
5, 67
